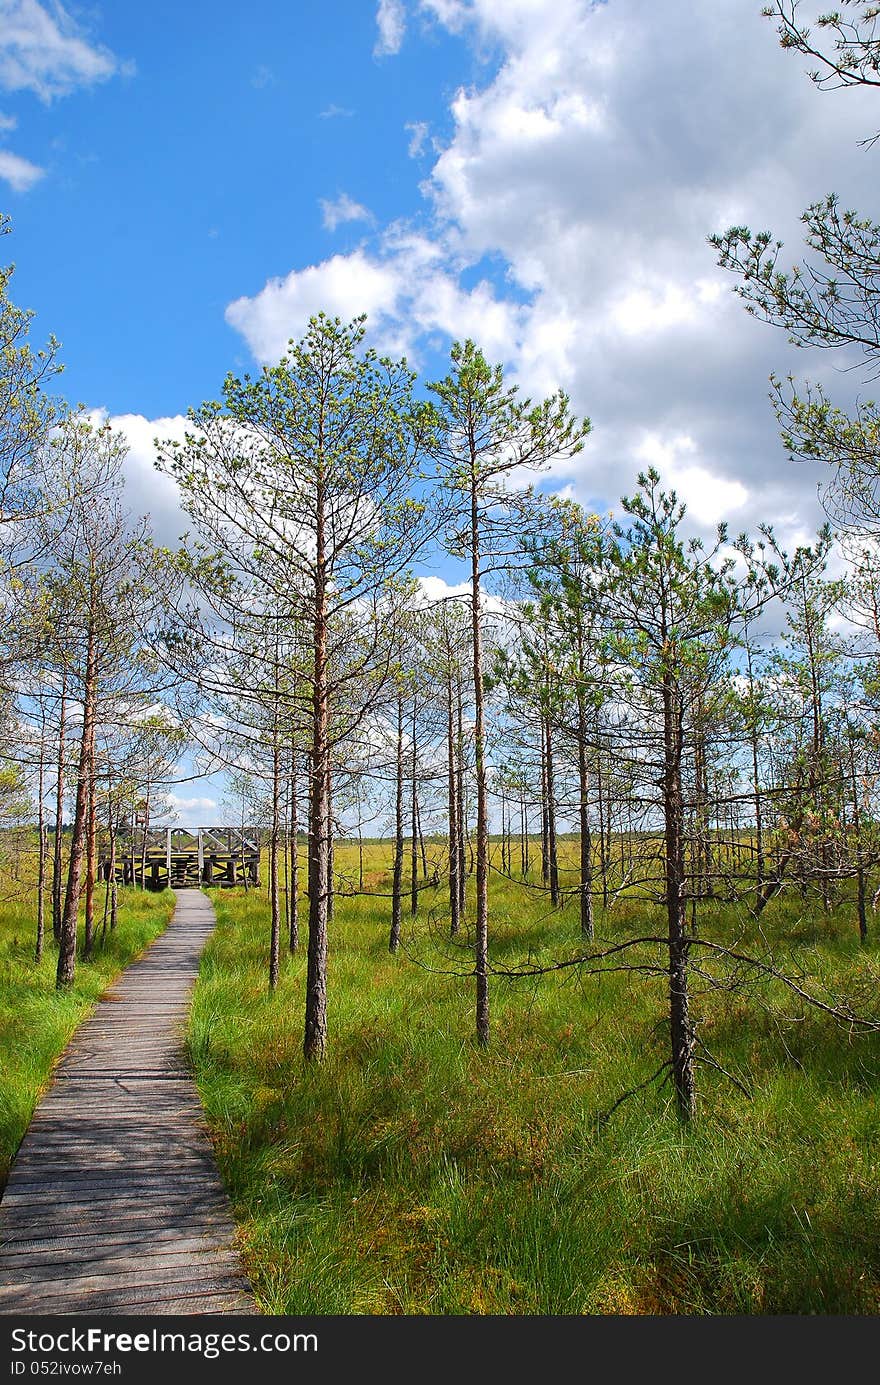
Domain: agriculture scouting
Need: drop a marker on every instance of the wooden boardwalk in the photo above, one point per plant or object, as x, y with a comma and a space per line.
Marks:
114, 1203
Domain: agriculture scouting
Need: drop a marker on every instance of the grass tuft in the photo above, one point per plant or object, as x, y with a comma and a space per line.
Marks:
415, 1173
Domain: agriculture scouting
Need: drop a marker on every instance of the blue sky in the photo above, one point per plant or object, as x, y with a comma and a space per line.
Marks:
189, 182
193, 167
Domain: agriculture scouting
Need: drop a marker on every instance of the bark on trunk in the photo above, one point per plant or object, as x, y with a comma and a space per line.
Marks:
481, 950
41, 851
552, 852
57, 862
397, 874
680, 1025
454, 921
293, 895
414, 851
603, 854
315, 1038
586, 864
112, 880
67, 944
274, 840
89, 930
462, 824
545, 823
861, 891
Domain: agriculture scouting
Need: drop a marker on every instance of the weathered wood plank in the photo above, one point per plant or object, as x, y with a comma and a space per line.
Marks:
114, 1204
105, 1251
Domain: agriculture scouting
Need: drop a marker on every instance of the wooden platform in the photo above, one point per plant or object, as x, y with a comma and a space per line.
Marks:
179, 858
114, 1203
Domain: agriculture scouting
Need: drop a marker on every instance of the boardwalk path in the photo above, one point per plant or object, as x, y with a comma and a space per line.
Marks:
114, 1203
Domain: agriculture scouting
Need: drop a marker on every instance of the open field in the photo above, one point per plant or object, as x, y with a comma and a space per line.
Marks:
36, 1021
415, 1173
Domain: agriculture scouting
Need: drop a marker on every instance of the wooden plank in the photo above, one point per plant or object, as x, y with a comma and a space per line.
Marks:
153, 1223
178, 1267
138, 1287
114, 1204
114, 1250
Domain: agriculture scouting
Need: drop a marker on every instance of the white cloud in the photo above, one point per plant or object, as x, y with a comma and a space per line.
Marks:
418, 133
345, 285
391, 24
19, 173
711, 499
643, 310
43, 50
604, 144
148, 491
334, 112
436, 589
189, 806
342, 209
409, 289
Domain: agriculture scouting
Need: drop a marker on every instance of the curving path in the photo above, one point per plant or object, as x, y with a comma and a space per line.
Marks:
114, 1203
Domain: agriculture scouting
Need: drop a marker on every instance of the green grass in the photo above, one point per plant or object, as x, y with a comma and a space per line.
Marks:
412, 1172
36, 1021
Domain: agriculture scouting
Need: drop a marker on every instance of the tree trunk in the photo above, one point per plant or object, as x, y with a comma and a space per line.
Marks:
315, 1039
423, 854
293, 938
89, 931
462, 822
331, 844
552, 852
603, 859
397, 874
293, 894
144, 836
414, 853
681, 1027
57, 863
861, 891
481, 953
586, 866
545, 822
41, 848
67, 946
112, 880
274, 840
759, 825
105, 913
454, 900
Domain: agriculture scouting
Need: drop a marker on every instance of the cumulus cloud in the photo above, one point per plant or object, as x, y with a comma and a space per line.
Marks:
391, 26
343, 208
437, 589
19, 173
344, 285
43, 50
418, 134
194, 805
586, 170
409, 288
148, 491
711, 498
